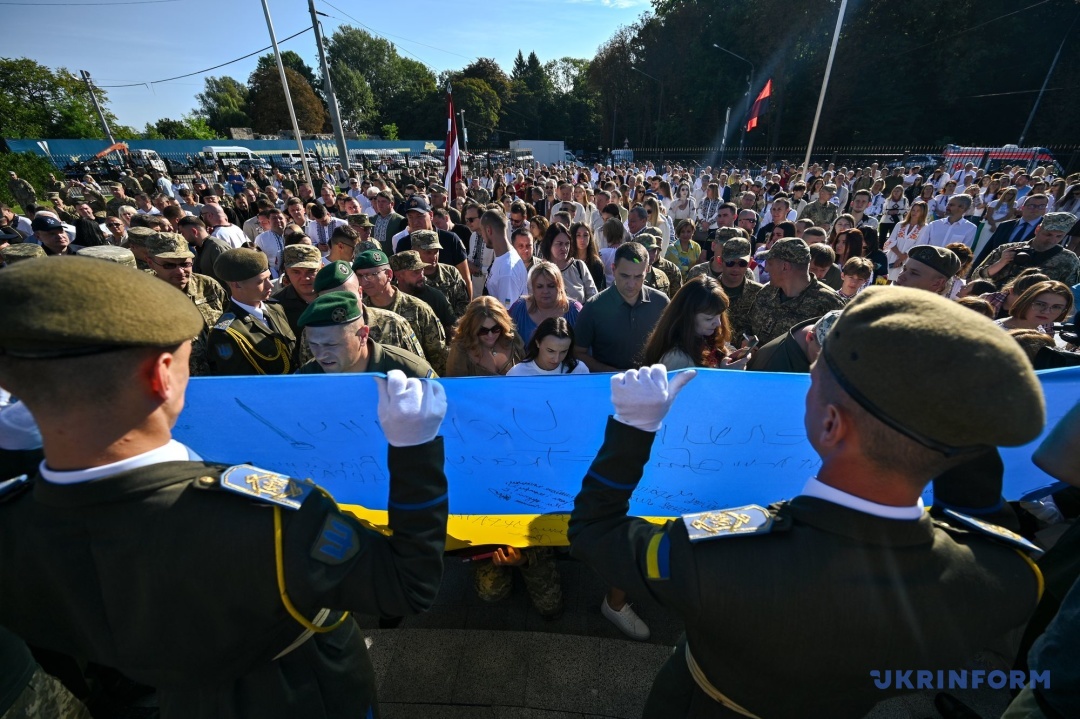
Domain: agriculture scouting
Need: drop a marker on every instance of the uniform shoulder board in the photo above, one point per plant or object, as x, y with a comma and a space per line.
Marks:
266, 486
733, 522
999, 533
11, 488
224, 321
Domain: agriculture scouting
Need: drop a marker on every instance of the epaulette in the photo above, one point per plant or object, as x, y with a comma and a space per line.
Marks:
733, 522
995, 532
224, 321
266, 486
12, 488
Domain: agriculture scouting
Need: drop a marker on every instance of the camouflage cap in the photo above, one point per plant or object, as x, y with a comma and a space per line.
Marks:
790, 249
647, 239
425, 240
333, 308
939, 259
334, 274
735, 249
824, 324
360, 220
139, 236
240, 264
1058, 221
71, 306
724, 234
168, 246
109, 253
903, 332
301, 256
369, 259
408, 260
22, 251
369, 244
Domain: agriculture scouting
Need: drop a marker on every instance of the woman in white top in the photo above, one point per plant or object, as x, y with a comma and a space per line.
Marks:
614, 233
893, 210
550, 352
556, 248
905, 236
660, 221
1001, 209
683, 207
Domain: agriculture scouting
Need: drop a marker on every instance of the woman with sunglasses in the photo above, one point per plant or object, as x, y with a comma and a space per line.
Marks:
485, 343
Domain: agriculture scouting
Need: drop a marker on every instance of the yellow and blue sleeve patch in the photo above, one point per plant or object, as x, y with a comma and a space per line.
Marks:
657, 557
266, 486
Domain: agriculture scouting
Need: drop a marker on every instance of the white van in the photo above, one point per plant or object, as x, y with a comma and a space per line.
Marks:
147, 158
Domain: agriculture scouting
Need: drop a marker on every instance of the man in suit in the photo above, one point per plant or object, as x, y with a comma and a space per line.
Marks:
387, 222
1021, 230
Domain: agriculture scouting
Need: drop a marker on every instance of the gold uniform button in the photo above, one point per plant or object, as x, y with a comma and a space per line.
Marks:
206, 481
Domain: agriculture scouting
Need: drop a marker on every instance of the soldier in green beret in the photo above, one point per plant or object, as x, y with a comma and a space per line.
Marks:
372, 269
188, 597
253, 335
929, 268
409, 277
860, 578
340, 341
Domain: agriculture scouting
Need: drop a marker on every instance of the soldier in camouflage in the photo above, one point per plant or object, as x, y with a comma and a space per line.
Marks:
493, 578
445, 278
733, 258
40, 694
792, 295
1043, 250
822, 213
656, 262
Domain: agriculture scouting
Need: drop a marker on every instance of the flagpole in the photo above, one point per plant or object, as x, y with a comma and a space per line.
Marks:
452, 154
288, 96
824, 87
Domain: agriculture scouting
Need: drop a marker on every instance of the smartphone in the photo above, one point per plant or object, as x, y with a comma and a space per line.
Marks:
751, 341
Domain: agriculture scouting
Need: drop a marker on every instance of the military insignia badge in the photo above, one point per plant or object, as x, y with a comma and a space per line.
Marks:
224, 321
737, 521
267, 486
224, 351
337, 542
339, 314
1000, 533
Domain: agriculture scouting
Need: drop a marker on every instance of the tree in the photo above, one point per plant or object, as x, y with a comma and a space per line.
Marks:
266, 102
36, 102
355, 101
294, 62
389, 132
189, 127
222, 104
481, 105
488, 70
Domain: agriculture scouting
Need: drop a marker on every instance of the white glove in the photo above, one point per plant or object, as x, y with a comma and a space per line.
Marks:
643, 397
410, 410
18, 430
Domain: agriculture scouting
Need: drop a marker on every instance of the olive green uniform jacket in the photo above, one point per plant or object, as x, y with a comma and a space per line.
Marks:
239, 344
383, 359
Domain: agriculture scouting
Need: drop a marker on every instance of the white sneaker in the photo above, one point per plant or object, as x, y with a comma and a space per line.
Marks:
628, 622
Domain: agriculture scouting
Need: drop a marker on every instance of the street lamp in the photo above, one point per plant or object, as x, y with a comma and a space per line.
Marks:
749, 89
660, 108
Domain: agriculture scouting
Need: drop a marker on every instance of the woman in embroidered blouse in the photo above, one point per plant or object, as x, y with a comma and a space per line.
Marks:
893, 210
905, 236
485, 343
683, 207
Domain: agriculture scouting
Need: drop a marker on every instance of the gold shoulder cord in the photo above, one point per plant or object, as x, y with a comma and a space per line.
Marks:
279, 561
250, 353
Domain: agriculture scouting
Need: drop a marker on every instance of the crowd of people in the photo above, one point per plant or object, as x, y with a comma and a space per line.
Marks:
568, 270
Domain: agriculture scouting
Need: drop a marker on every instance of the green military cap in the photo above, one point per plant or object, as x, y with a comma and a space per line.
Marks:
139, 236
902, 332
647, 239
724, 234
425, 240
305, 257
334, 274
239, 265
168, 246
72, 306
109, 253
829, 187
736, 248
437, 188
360, 220
368, 259
333, 308
790, 249
1058, 221
116, 186
940, 259
408, 260
22, 251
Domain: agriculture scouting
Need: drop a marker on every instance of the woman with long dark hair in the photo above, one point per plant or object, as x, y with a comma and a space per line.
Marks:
556, 248
584, 248
694, 330
550, 351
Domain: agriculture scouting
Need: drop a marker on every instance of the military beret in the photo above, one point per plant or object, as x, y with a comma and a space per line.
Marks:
790, 249
369, 259
902, 332
301, 256
239, 265
71, 306
334, 274
333, 308
735, 248
1058, 221
22, 251
139, 236
360, 220
939, 259
168, 246
109, 253
408, 260
425, 240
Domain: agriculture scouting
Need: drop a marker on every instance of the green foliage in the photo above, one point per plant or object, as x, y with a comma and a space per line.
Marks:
37, 102
389, 132
267, 108
481, 105
189, 127
223, 104
355, 101
29, 166
291, 61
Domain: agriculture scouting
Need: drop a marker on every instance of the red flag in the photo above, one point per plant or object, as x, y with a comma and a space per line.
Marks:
761, 104
452, 154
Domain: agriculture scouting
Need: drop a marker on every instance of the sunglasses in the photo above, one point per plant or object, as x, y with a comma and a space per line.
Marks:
496, 330
740, 263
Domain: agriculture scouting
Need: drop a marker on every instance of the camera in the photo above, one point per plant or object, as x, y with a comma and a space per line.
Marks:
1024, 258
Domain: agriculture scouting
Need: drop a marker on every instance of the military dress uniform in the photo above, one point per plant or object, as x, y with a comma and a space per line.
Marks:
241, 344
209, 299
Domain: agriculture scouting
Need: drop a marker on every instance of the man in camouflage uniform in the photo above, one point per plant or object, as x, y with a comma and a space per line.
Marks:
734, 259
136, 242
23, 192
53, 185
119, 199
1043, 250
658, 263
172, 261
792, 295
131, 184
822, 213
445, 278
299, 263
493, 578
409, 276
372, 268
654, 277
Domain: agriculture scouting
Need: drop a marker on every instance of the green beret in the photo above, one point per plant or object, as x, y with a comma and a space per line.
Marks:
425, 240
334, 274
303, 256
139, 236
1058, 221
109, 253
71, 306
333, 308
22, 251
790, 249
168, 246
240, 264
902, 332
408, 260
940, 259
370, 259
735, 249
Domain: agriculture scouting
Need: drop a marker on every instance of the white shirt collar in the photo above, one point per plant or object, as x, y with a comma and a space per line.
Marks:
172, 451
251, 310
815, 488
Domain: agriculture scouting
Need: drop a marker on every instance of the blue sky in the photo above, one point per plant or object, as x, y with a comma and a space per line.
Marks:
120, 44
